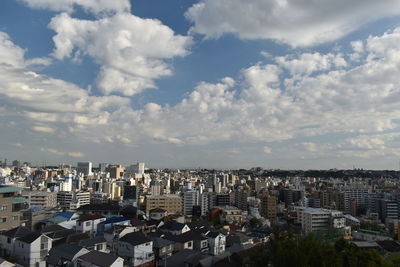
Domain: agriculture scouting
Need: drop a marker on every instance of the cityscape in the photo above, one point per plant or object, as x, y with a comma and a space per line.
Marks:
199, 133
114, 215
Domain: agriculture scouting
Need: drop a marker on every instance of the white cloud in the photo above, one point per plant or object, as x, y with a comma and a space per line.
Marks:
43, 129
98, 7
258, 107
295, 22
76, 154
267, 150
131, 51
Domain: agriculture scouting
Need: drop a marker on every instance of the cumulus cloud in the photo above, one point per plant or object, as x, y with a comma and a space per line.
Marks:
131, 51
57, 152
97, 7
295, 22
321, 95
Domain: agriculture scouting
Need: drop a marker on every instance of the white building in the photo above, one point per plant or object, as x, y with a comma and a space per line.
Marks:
136, 249
32, 249
88, 224
314, 220
216, 243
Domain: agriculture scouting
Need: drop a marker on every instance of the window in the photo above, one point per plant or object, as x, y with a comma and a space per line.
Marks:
43, 246
87, 223
99, 247
3, 220
15, 218
8, 240
3, 207
189, 244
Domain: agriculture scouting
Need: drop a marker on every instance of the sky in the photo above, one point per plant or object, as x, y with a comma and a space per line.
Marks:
228, 84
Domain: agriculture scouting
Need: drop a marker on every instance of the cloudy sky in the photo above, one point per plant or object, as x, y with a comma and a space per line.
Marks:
293, 84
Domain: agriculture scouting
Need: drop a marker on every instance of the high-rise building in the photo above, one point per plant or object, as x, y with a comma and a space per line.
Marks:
269, 207
190, 199
84, 168
10, 207
41, 199
116, 171
155, 187
240, 198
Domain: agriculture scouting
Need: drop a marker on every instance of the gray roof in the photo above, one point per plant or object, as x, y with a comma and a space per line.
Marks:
99, 258
159, 242
135, 238
29, 238
92, 241
17, 232
63, 252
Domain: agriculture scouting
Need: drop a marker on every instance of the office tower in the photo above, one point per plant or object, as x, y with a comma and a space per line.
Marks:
240, 198
223, 200
130, 192
84, 168
155, 187
116, 171
190, 199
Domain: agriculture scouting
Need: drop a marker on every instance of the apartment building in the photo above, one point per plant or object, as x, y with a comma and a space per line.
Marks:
171, 203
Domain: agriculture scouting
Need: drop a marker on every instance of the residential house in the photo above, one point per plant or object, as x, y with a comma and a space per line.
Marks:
88, 223
216, 243
174, 228
162, 249
32, 249
64, 255
136, 249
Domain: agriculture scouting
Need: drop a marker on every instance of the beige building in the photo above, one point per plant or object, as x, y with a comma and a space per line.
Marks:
11, 206
269, 207
41, 199
171, 203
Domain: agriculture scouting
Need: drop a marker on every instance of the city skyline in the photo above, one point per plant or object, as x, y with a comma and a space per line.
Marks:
205, 83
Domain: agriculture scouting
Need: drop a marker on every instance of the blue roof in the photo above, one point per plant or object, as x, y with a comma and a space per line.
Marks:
67, 215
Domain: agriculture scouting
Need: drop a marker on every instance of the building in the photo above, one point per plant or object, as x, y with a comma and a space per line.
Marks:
231, 214
137, 168
171, 203
84, 168
72, 200
88, 223
239, 198
216, 243
316, 220
190, 199
41, 199
116, 171
269, 207
136, 249
223, 200
30, 248
11, 207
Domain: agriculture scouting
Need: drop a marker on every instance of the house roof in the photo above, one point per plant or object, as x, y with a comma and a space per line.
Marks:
29, 238
75, 238
67, 215
92, 241
63, 252
173, 226
19, 200
60, 234
213, 234
389, 245
115, 220
53, 228
159, 242
17, 232
99, 258
90, 218
135, 238
186, 237
9, 189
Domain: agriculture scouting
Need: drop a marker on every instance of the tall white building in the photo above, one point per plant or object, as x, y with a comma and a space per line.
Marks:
137, 168
85, 168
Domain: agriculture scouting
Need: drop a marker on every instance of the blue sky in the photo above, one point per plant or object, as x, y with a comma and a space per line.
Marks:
219, 84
